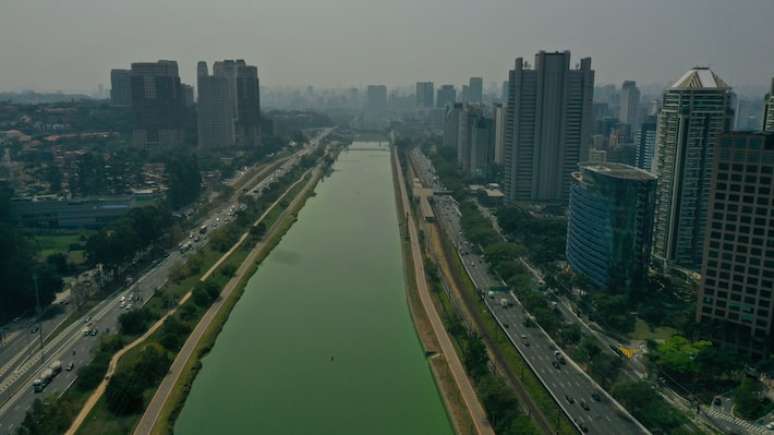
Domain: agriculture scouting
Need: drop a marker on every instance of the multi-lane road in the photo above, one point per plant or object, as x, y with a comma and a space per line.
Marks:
590, 408
20, 358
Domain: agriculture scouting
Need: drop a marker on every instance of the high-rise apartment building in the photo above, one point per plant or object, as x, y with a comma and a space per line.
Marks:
215, 110
768, 110
482, 144
696, 110
629, 100
499, 120
645, 141
447, 96
738, 263
451, 132
548, 126
120, 87
610, 224
425, 95
158, 104
476, 90
229, 109
376, 98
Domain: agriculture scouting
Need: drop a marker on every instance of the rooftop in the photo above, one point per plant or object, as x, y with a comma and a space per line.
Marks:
700, 78
618, 170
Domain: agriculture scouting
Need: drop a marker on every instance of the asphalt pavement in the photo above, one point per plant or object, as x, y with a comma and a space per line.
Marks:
582, 399
20, 359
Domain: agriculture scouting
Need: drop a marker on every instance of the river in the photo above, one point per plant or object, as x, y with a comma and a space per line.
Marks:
322, 341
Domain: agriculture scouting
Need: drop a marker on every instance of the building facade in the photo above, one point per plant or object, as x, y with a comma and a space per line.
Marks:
447, 96
548, 126
482, 144
610, 224
120, 87
628, 112
499, 120
215, 110
158, 104
645, 141
425, 95
738, 263
768, 110
475, 90
696, 110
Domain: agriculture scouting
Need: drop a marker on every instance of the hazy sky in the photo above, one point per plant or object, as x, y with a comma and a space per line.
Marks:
72, 44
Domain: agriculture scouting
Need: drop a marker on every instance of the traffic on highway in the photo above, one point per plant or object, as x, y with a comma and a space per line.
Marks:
28, 372
587, 405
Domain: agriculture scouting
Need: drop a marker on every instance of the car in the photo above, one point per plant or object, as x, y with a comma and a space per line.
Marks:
569, 398
584, 405
123, 298
718, 401
555, 364
70, 367
583, 427
506, 325
596, 396
93, 332
34, 330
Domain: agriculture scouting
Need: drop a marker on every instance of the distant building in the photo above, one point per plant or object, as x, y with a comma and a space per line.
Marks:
482, 145
75, 213
738, 262
376, 98
628, 112
696, 110
120, 87
476, 90
243, 94
499, 120
215, 110
645, 140
548, 126
624, 153
597, 156
610, 224
425, 95
188, 95
158, 104
768, 111
447, 96
452, 125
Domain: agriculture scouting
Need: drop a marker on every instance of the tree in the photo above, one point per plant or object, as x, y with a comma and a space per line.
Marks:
747, 398
184, 180
174, 333
124, 393
134, 322
677, 355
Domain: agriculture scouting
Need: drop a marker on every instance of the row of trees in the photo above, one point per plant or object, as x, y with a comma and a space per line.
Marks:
119, 242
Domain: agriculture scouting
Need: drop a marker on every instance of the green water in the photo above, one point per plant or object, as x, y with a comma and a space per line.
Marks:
332, 288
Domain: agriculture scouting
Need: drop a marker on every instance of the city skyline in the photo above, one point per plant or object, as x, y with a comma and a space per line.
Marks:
287, 41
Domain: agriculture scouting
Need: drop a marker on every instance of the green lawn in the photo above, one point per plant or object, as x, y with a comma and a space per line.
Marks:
53, 243
643, 331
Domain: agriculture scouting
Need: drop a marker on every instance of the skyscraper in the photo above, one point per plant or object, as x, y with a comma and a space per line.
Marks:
452, 125
215, 110
229, 104
476, 90
120, 87
447, 96
548, 126
768, 110
738, 263
376, 98
482, 144
628, 112
158, 104
645, 141
425, 95
243, 93
610, 224
696, 109
499, 120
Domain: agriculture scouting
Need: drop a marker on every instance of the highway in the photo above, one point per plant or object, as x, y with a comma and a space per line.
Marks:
574, 391
21, 363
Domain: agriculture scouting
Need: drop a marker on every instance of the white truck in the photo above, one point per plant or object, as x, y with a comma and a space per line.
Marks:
47, 376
